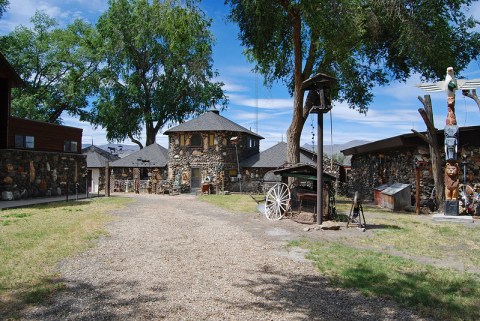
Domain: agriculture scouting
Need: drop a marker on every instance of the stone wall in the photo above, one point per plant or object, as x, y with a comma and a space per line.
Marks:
38, 174
397, 166
120, 175
212, 160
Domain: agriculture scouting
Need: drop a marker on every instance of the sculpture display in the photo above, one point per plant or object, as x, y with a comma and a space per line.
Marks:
451, 131
451, 140
452, 180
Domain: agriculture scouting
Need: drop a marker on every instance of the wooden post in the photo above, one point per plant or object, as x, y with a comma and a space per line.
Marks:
107, 183
417, 190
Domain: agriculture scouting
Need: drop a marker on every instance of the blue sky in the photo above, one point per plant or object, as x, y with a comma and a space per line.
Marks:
393, 112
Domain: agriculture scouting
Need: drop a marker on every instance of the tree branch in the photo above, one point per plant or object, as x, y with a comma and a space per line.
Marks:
307, 70
423, 137
57, 113
135, 140
430, 127
472, 94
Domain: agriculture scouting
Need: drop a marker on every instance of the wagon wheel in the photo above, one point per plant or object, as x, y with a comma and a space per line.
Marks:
277, 201
465, 190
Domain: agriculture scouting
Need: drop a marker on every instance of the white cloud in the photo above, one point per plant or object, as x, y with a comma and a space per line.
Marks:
20, 12
268, 103
232, 87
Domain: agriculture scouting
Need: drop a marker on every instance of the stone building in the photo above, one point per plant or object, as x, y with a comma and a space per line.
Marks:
36, 158
209, 149
148, 165
392, 160
97, 160
257, 166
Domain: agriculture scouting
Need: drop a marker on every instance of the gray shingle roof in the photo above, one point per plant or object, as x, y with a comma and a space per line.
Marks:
156, 155
210, 121
274, 157
97, 157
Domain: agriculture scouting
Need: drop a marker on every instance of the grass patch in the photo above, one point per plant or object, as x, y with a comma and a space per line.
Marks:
437, 292
416, 236
39, 239
239, 203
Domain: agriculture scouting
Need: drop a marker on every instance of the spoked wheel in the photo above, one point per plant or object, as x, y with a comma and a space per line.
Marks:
465, 193
465, 190
277, 201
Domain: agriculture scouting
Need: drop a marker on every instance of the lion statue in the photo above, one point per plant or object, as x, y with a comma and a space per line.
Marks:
451, 181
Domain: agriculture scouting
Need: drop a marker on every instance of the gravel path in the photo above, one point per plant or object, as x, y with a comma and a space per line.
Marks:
177, 258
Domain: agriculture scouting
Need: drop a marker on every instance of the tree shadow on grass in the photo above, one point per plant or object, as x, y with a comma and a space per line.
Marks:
58, 204
383, 227
315, 298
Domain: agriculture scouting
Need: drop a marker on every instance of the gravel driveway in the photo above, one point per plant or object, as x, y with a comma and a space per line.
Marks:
177, 258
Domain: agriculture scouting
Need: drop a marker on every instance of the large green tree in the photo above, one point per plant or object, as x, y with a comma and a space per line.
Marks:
363, 43
158, 67
59, 67
3, 6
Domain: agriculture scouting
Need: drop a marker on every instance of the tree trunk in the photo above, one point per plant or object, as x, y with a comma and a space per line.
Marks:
295, 130
151, 133
431, 139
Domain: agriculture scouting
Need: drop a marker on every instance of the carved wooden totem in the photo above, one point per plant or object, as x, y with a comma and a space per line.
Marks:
451, 139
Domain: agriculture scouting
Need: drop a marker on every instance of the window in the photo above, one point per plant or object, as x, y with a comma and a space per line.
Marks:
182, 140
252, 143
70, 146
211, 139
22, 141
196, 140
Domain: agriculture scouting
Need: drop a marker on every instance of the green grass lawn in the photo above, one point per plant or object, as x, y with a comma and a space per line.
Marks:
392, 261
34, 240
239, 203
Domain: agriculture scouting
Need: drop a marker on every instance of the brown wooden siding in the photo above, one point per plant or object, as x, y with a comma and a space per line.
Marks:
48, 137
4, 110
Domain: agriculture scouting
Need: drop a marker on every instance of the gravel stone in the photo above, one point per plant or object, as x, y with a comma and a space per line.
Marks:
177, 258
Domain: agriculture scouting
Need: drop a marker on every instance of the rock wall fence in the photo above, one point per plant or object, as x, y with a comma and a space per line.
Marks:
26, 174
371, 170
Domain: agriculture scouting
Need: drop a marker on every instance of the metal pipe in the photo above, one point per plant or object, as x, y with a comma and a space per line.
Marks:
239, 175
320, 169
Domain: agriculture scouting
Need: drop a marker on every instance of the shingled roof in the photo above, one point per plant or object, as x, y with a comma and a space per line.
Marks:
7, 71
274, 157
210, 121
97, 157
154, 154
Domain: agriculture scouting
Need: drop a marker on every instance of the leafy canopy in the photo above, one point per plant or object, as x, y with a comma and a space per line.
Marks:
3, 6
57, 65
158, 67
361, 42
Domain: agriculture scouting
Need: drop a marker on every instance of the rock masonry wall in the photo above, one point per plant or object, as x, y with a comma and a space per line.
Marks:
369, 171
26, 174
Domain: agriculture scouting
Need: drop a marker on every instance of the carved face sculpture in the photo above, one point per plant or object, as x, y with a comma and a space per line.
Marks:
451, 170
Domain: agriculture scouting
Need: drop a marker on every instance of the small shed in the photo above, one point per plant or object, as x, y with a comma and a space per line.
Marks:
396, 197
377, 193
